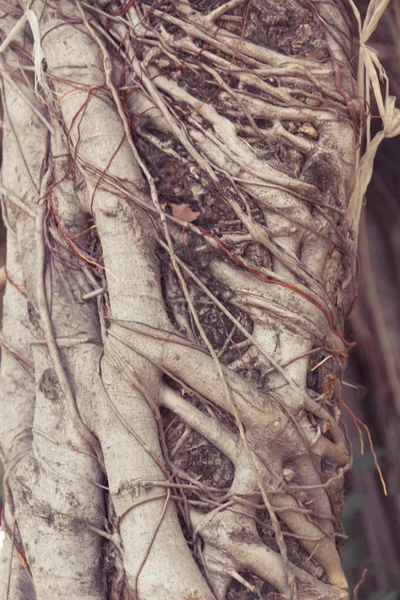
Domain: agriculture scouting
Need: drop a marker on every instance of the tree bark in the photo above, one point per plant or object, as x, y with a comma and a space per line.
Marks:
175, 179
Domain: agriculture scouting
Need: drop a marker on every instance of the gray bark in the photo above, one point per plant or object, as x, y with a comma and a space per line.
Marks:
175, 184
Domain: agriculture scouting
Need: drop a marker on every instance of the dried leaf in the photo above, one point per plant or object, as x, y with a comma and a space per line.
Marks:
184, 213
371, 78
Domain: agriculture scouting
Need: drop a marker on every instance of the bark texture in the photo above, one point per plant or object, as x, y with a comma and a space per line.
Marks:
175, 180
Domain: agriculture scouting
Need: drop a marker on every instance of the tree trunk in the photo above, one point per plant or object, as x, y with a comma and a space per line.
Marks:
175, 178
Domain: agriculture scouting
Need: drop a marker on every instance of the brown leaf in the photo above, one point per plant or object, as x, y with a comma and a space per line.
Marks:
184, 213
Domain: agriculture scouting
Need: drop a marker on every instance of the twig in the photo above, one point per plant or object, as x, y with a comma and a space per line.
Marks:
359, 584
47, 327
164, 509
18, 203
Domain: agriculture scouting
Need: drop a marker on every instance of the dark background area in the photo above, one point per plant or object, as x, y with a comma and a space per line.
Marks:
371, 519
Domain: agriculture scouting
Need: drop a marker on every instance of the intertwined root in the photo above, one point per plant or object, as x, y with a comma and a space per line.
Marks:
216, 171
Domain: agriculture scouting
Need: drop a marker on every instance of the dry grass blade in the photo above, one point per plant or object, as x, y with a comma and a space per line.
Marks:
371, 77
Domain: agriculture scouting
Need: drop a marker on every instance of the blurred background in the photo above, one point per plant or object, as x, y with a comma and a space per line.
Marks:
371, 519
